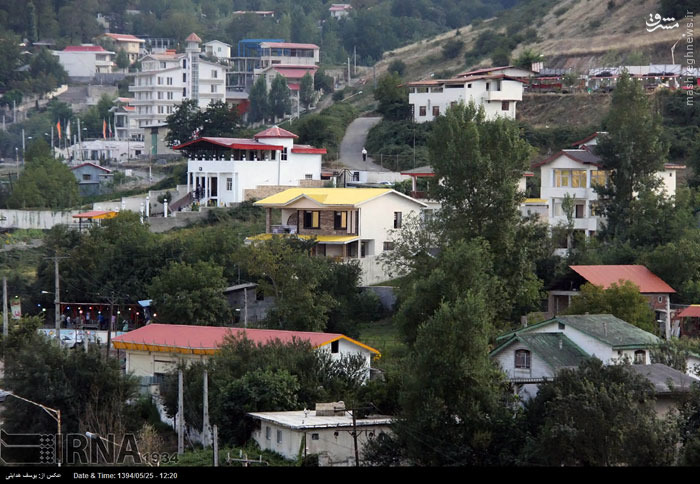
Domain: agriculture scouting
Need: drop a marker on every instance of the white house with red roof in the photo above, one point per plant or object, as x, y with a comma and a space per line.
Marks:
575, 172
657, 292
496, 92
219, 170
85, 60
340, 10
156, 349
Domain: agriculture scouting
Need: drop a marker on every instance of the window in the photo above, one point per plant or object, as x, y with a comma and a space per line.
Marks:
469, 86
160, 110
160, 81
340, 220
213, 87
397, 220
522, 359
505, 105
284, 154
268, 432
578, 178
334, 347
169, 81
214, 73
184, 92
184, 63
309, 176
488, 84
388, 246
561, 326
170, 95
314, 436
579, 210
312, 219
279, 436
86, 177
160, 94
436, 111
599, 177
184, 77
421, 111
229, 184
640, 357
561, 178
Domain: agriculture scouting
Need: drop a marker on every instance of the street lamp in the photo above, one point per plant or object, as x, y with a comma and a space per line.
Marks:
54, 413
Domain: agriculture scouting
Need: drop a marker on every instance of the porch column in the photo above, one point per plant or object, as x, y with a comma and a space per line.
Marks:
268, 215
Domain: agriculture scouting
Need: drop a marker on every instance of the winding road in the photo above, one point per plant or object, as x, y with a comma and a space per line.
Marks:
353, 142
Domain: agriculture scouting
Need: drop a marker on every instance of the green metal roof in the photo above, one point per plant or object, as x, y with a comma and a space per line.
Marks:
555, 349
603, 327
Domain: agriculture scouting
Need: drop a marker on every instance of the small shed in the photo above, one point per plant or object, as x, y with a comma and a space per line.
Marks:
87, 219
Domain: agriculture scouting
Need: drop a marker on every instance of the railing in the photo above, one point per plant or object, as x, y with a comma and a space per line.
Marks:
226, 158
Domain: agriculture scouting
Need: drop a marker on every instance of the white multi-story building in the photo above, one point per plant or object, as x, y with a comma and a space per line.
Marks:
85, 60
168, 79
219, 170
494, 90
575, 173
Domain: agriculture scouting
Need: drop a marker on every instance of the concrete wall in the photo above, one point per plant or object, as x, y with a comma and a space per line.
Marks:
35, 219
386, 295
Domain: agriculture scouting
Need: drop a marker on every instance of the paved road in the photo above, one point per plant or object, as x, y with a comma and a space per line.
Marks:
353, 141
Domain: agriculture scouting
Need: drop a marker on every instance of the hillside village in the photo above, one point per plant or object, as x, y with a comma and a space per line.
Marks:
255, 233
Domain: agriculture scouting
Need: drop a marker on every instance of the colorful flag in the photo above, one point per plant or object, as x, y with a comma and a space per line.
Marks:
58, 128
104, 128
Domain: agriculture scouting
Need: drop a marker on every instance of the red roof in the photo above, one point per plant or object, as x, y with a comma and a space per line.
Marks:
307, 149
604, 276
288, 45
212, 337
84, 48
125, 37
193, 38
692, 311
233, 143
586, 139
275, 132
294, 72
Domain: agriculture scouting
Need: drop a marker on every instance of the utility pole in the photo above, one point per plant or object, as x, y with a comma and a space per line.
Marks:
180, 415
349, 71
57, 297
245, 308
4, 307
216, 446
206, 436
354, 438
109, 326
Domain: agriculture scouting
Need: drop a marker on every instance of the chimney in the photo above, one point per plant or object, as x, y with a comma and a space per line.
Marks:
523, 321
605, 328
560, 342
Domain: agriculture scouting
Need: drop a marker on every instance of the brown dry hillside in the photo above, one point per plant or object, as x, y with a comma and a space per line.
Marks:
575, 110
577, 34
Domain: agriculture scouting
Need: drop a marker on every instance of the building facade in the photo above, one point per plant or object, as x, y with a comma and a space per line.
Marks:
86, 60
219, 170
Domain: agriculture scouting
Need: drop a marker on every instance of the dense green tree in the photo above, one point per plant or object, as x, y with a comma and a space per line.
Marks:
528, 57
91, 391
286, 271
306, 90
279, 100
479, 164
218, 119
323, 82
632, 152
392, 97
45, 181
258, 101
598, 415
622, 300
122, 59
454, 399
185, 121
190, 294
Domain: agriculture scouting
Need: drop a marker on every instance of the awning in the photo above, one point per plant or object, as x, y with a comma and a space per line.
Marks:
321, 239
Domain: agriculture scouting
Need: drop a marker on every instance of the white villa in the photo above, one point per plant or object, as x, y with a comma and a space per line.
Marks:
497, 90
575, 172
167, 79
86, 60
224, 168
348, 223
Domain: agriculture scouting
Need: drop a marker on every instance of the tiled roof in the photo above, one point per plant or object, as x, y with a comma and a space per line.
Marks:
125, 37
603, 327
579, 155
555, 349
275, 132
193, 38
207, 339
93, 165
233, 143
664, 378
605, 275
692, 311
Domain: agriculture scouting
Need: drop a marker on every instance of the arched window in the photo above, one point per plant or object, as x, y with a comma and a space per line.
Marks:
640, 357
522, 359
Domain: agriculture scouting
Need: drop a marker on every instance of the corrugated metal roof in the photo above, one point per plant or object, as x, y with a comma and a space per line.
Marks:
692, 311
555, 349
664, 378
610, 329
605, 275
